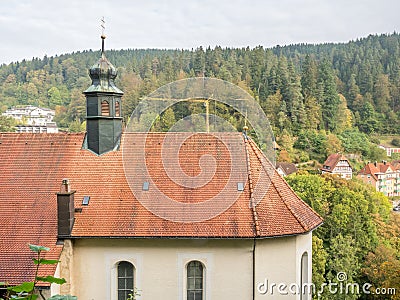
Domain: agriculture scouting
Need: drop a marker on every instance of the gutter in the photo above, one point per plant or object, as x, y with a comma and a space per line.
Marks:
261, 237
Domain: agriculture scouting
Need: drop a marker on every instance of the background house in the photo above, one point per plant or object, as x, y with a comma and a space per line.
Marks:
33, 119
286, 168
383, 176
30, 114
338, 164
390, 150
50, 127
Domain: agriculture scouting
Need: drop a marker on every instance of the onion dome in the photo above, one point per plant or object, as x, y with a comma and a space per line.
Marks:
103, 74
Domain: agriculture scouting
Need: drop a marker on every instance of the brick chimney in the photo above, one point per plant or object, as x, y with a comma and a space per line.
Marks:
65, 210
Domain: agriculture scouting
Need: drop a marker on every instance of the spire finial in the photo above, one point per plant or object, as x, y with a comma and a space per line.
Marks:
245, 127
103, 37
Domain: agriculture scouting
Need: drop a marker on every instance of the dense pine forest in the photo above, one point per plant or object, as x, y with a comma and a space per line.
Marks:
329, 95
319, 99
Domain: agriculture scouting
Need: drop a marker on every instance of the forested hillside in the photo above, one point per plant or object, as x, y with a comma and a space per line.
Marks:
322, 93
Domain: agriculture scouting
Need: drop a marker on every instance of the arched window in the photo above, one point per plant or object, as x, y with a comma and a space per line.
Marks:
117, 110
195, 284
105, 108
304, 277
125, 280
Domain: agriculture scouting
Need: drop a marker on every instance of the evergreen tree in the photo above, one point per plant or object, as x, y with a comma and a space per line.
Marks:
328, 97
313, 113
298, 114
381, 94
309, 77
344, 116
271, 107
353, 90
168, 119
199, 62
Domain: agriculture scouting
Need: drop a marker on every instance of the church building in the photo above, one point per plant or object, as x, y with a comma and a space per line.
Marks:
73, 193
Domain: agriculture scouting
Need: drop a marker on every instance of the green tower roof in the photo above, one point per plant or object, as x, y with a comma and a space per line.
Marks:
103, 74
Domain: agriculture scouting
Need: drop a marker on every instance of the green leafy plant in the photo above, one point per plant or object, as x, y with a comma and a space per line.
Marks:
135, 293
26, 290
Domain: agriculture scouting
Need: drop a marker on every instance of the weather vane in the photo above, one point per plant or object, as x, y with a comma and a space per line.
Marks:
103, 25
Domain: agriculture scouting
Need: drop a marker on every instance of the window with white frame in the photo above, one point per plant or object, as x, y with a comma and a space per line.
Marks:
125, 279
195, 280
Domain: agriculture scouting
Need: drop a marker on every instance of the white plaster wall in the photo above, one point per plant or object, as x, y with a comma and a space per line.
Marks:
55, 288
160, 267
278, 266
275, 264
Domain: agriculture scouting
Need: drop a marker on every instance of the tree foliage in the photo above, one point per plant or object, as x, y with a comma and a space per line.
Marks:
360, 236
323, 98
7, 124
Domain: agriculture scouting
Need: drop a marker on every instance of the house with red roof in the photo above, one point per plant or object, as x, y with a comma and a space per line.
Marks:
389, 150
117, 219
383, 176
337, 164
286, 168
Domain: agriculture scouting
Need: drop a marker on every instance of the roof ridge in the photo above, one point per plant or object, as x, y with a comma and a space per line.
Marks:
258, 155
252, 202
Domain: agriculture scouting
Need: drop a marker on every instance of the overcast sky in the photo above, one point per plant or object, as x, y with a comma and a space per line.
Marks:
48, 27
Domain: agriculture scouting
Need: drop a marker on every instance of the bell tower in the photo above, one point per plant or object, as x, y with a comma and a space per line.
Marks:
103, 107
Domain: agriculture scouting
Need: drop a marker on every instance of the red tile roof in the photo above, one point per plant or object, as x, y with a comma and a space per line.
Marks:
395, 164
33, 166
287, 167
376, 168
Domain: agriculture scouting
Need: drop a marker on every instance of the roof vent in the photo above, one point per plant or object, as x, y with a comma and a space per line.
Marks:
85, 200
146, 185
240, 186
